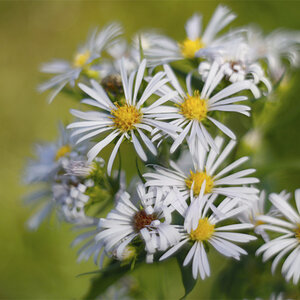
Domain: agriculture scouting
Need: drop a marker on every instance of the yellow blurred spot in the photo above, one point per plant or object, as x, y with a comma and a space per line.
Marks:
91, 73
62, 151
257, 223
190, 47
203, 232
81, 59
193, 107
126, 117
197, 179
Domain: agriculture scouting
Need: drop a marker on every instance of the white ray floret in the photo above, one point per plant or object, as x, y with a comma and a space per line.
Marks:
288, 243
193, 109
198, 43
132, 120
201, 229
256, 209
205, 166
67, 72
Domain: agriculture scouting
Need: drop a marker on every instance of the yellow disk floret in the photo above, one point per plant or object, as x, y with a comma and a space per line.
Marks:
297, 232
197, 179
62, 151
126, 117
203, 232
193, 107
190, 47
81, 59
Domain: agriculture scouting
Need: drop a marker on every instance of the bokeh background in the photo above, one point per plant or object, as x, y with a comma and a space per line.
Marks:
41, 265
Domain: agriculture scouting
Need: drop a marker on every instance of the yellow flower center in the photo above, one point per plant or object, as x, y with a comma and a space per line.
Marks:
62, 151
81, 59
190, 47
257, 223
203, 232
194, 108
297, 232
126, 117
197, 179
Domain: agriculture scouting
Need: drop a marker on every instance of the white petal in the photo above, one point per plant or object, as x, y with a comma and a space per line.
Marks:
138, 147
113, 155
99, 146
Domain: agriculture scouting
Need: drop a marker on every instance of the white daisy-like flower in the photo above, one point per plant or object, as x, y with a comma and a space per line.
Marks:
126, 120
201, 228
204, 167
70, 201
275, 48
193, 109
238, 64
288, 241
256, 209
149, 220
163, 49
110, 68
69, 72
49, 170
52, 157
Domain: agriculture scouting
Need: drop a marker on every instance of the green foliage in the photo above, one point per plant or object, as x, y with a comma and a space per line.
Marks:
251, 277
186, 274
108, 276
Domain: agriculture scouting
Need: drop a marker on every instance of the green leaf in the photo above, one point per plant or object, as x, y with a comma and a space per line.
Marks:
139, 172
186, 275
111, 274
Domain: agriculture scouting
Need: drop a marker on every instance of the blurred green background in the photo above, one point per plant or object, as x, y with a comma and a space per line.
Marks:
41, 265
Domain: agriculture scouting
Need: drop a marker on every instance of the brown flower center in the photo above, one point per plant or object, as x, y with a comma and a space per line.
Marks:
142, 219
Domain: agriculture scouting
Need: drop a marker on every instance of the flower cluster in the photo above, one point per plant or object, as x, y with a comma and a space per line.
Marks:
192, 192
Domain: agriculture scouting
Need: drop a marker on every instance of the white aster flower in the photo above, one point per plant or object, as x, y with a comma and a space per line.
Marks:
256, 209
69, 72
205, 167
70, 201
148, 220
51, 157
288, 241
275, 48
238, 64
201, 228
126, 120
49, 170
151, 222
193, 109
163, 49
